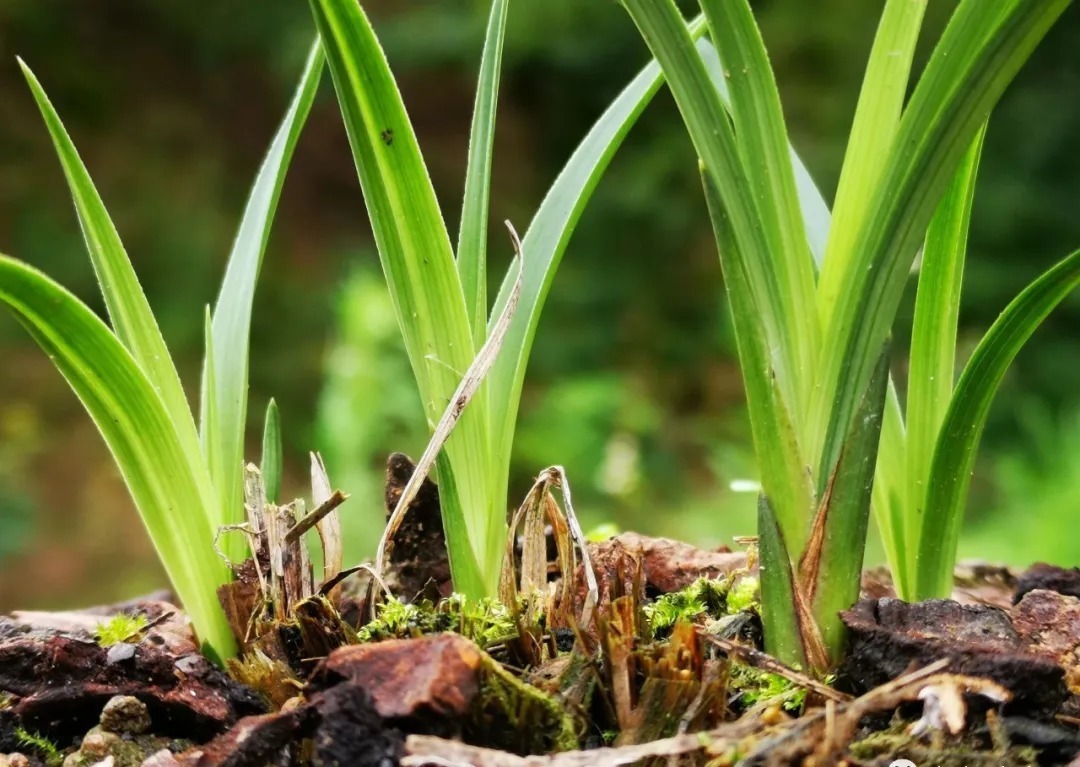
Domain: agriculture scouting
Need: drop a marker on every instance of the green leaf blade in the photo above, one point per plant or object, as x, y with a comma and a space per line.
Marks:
132, 319
783, 629
169, 485
816, 218
958, 441
933, 340
546, 241
272, 460
419, 265
977, 57
785, 480
889, 497
472, 239
232, 313
877, 117
766, 158
664, 30
831, 567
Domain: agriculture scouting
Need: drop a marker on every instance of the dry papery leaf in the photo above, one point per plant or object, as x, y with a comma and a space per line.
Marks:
528, 582
281, 618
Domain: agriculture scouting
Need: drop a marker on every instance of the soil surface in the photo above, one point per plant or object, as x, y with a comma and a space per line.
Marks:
658, 660
945, 682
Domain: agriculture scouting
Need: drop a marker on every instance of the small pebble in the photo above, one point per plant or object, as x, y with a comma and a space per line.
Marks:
98, 744
119, 652
188, 663
162, 758
125, 714
18, 760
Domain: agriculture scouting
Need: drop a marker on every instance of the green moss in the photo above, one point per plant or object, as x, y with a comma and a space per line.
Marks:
119, 628
485, 621
762, 687
712, 598
515, 716
44, 747
744, 595
706, 597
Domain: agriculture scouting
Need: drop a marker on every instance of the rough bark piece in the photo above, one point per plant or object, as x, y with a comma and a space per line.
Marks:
341, 723
670, 565
1049, 623
974, 583
61, 684
425, 679
445, 685
889, 637
1050, 578
350, 732
418, 566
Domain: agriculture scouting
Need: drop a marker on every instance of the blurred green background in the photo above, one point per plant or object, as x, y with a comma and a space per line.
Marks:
632, 386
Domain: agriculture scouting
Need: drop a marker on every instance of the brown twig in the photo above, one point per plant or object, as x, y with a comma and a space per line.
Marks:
315, 517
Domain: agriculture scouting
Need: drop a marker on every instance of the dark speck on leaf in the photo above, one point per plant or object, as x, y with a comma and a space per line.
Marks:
388, 137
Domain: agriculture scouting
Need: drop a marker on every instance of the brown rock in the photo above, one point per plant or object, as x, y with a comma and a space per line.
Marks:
125, 714
433, 676
97, 744
1049, 623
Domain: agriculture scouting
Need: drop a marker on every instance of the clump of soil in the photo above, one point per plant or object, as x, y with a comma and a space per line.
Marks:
631, 651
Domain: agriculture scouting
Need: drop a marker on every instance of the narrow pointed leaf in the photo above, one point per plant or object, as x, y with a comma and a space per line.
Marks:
472, 239
711, 132
784, 478
783, 633
889, 498
933, 340
271, 463
815, 211
954, 456
545, 242
877, 117
831, 568
470, 384
129, 311
549, 233
758, 121
980, 52
162, 475
232, 313
418, 262
904, 457
211, 416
